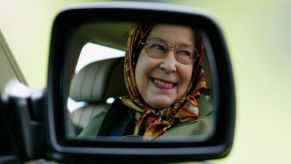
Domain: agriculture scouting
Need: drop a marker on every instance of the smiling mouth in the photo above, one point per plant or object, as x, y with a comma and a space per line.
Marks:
163, 84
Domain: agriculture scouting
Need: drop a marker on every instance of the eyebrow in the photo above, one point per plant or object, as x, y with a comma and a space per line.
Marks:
183, 44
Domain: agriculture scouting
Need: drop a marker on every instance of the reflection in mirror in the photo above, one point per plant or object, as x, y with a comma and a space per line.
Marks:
140, 81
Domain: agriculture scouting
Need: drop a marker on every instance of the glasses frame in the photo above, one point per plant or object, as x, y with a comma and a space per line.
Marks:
174, 49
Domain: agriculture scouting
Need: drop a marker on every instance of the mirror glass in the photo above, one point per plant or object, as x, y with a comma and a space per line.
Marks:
139, 81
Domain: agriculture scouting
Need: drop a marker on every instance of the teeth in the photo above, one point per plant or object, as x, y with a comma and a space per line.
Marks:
163, 84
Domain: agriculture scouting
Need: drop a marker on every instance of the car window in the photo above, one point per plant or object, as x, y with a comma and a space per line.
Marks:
92, 52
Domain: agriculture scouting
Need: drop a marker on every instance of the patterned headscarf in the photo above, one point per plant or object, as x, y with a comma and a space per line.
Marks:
154, 122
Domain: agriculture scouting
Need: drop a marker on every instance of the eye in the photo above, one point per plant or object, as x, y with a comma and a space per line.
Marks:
157, 47
186, 54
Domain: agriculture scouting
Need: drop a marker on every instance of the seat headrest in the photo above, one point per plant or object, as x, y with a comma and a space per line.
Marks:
99, 80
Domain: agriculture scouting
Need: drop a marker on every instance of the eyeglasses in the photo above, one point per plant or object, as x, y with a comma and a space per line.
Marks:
159, 49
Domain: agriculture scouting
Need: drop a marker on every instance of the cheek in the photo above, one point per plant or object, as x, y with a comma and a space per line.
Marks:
188, 73
142, 67
138, 73
186, 77
138, 76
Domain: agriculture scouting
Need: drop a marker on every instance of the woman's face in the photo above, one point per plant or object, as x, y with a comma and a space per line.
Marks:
162, 81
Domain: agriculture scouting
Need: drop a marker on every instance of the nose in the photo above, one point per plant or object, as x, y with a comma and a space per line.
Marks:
168, 64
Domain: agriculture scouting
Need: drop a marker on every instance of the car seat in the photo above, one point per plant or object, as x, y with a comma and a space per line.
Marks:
94, 84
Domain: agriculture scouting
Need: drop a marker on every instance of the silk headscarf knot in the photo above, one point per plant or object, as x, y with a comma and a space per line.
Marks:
154, 122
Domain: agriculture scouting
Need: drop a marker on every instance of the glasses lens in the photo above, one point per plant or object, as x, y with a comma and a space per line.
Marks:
157, 48
185, 54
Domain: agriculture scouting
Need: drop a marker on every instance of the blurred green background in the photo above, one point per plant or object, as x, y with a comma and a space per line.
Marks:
258, 35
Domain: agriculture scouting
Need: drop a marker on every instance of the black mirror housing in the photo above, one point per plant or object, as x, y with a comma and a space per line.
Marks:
62, 148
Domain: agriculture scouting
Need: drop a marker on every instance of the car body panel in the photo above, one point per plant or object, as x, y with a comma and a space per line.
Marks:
9, 68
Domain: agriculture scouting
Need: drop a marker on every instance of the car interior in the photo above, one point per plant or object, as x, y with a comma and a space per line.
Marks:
100, 80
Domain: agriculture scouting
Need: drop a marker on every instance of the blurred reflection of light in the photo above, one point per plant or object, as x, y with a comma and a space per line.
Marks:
73, 105
110, 100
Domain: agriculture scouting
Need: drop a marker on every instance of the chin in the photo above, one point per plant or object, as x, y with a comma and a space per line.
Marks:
161, 103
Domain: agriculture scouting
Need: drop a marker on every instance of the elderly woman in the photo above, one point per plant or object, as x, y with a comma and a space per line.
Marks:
164, 80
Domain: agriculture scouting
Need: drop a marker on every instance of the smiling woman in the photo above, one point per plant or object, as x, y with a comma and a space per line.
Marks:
166, 87
163, 74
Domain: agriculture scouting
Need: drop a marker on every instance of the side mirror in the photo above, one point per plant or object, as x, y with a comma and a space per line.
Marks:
108, 24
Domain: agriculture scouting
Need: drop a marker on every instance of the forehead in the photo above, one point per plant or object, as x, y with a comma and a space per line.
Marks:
173, 33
